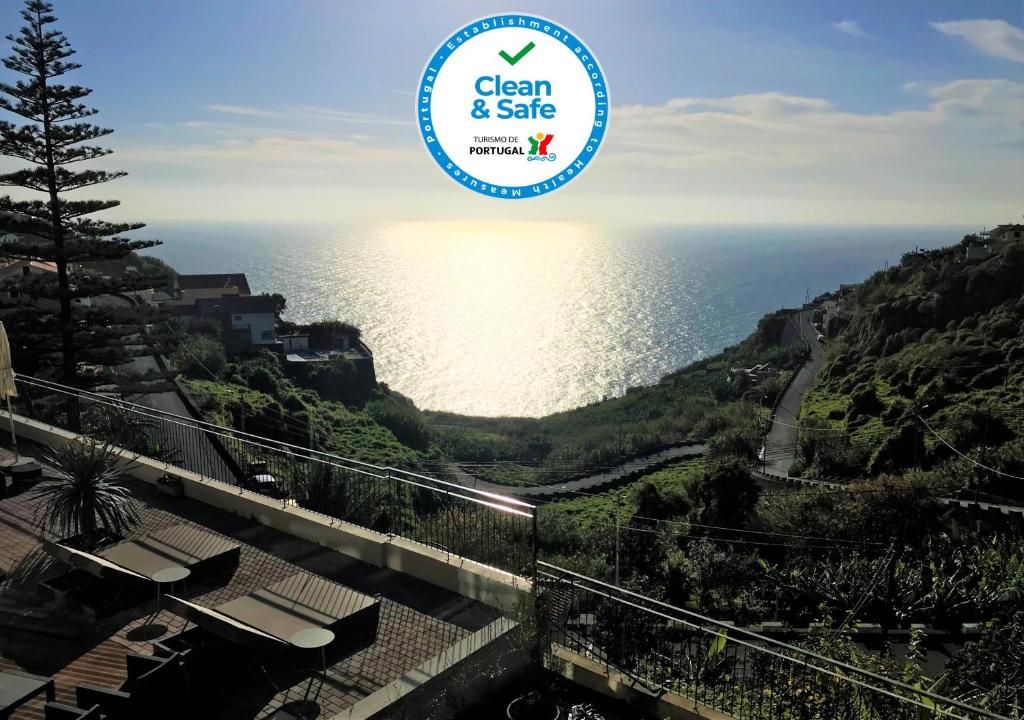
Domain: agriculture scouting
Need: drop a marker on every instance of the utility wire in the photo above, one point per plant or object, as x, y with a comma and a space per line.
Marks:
965, 457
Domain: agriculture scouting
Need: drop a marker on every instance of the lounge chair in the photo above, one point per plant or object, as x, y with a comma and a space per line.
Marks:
269, 617
121, 575
203, 553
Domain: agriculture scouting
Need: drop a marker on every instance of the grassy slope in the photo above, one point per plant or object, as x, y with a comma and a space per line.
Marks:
599, 509
936, 336
691, 402
336, 428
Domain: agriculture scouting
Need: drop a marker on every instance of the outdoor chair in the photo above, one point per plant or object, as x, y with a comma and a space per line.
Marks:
155, 688
60, 711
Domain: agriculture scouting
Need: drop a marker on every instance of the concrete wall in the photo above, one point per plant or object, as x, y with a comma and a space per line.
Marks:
592, 675
470, 579
469, 671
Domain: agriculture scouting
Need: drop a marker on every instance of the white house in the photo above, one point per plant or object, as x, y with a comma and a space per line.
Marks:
249, 317
1006, 232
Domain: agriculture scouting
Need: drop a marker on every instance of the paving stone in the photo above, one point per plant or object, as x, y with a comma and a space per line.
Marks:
417, 620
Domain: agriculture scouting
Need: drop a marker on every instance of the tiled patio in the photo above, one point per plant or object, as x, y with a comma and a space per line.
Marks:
417, 620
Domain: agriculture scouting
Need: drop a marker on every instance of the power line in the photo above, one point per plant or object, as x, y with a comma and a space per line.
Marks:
965, 457
882, 562
730, 541
730, 529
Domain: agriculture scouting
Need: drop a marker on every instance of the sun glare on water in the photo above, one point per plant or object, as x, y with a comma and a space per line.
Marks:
503, 301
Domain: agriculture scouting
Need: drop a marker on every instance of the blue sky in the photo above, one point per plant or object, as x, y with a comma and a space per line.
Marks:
794, 112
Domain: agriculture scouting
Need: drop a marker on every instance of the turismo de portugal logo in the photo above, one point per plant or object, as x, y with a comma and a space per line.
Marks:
513, 106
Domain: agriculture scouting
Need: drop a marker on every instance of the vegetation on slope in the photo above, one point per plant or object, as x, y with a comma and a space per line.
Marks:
253, 394
699, 401
935, 341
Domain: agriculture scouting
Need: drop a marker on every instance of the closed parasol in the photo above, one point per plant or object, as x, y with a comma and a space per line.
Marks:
7, 387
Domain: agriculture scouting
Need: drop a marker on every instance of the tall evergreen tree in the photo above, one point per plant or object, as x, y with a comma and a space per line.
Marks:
95, 321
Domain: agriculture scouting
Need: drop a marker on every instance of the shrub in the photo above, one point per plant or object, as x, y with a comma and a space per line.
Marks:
199, 357
402, 418
85, 495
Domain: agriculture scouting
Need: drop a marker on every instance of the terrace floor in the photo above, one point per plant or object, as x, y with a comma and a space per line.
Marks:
417, 620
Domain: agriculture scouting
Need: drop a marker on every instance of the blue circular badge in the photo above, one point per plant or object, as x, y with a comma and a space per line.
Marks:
513, 106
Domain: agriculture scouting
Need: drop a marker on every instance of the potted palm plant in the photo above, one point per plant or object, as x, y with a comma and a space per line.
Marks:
84, 501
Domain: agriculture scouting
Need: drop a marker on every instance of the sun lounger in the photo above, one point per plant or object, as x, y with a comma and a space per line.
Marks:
121, 575
268, 618
187, 546
224, 626
203, 553
305, 601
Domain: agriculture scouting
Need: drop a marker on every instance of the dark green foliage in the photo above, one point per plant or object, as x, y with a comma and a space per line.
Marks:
335, 379
85, 495
279, 303
264, 381
603, 434
726, 496
398, 414
123, 428
47, 323
716, 579
989, 672
199, 357
643, 549
934, 336
903, 449
901, 507
323, 334
254, 395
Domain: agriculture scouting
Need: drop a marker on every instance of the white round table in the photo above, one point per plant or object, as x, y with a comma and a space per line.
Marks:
172, 574
311, 639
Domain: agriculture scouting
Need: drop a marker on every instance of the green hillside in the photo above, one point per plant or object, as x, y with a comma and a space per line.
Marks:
932, 355
701, 400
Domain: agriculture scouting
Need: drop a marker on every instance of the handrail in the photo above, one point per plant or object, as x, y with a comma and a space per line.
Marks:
762, 639
781, 655
258, 440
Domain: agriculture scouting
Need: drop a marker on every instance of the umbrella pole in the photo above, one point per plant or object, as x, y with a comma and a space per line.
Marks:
14, 438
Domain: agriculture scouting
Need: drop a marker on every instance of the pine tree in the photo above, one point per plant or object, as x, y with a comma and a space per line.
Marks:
94, 321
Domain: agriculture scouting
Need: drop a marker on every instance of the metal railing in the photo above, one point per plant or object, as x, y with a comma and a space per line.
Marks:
668, 649
489, 528
716, 665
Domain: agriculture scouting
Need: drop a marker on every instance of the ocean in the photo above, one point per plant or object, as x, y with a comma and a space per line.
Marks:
533, 318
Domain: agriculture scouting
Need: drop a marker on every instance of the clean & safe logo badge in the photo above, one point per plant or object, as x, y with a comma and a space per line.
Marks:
498, 94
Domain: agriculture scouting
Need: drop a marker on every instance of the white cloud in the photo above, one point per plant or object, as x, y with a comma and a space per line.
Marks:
302, 113
850, 27
777, 129
953, 157
997, 38
798, 157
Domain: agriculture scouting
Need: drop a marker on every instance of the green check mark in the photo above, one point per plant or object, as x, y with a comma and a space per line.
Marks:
513, 59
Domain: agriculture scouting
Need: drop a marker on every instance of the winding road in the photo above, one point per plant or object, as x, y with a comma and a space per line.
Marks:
602, 480
780, 444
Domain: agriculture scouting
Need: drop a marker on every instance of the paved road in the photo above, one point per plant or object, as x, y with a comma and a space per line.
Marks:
195, 450
780, 445
588, 483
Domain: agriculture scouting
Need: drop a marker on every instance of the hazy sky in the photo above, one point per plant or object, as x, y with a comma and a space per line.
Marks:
750, 111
